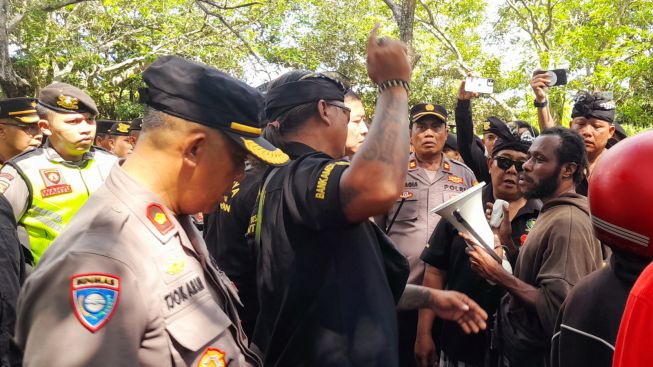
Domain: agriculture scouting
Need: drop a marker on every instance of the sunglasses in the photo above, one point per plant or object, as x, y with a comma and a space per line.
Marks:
505, 163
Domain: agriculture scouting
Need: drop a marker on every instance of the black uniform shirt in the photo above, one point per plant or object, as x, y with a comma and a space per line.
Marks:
224, 234
327, 287
446, 251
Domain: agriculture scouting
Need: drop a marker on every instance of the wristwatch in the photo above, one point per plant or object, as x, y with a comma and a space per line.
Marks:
541, 104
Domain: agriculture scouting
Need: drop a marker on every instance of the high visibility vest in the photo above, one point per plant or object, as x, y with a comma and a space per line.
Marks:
57, 190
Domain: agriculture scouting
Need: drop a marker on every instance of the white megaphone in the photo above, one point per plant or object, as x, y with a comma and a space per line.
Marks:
466, 213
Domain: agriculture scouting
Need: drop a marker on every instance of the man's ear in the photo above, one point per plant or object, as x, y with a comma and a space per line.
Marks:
612, 129
192, 147
567, 170
323, 112
44, 125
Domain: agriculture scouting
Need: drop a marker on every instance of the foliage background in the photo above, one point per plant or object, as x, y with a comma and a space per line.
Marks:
102, 46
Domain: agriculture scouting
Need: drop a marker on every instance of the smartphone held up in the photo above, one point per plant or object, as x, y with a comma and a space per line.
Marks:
479, 85
556, 77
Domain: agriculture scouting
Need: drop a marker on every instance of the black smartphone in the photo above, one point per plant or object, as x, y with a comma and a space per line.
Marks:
557, 76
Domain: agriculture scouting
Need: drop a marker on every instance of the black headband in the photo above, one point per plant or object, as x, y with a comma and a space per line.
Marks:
594, 105
285, 97
514, 141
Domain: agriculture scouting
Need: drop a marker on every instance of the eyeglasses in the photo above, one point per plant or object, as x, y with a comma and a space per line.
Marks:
339, 104
31, 129
505, 163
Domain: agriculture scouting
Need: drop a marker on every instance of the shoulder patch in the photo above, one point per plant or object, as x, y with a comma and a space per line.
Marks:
412, 164
95, 298
213, 357
455, 179
159, 218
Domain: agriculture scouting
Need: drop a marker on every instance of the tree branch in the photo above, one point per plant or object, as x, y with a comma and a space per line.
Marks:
395, 11
225, 7
48, 8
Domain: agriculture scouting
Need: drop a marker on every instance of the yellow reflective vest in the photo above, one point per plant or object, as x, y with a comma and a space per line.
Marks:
57, 189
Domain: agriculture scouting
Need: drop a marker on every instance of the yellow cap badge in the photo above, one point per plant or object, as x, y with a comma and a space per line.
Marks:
486, 126
68, 102
123, 128
159, 218
213, 357
34, 104
429, 107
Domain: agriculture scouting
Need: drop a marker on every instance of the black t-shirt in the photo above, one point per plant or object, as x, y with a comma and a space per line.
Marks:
224, 234
446, 251
327, 288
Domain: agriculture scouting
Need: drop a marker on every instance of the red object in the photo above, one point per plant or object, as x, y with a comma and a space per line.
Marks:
621, 196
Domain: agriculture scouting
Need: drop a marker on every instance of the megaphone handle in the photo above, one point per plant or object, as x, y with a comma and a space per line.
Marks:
394, 217
474, 234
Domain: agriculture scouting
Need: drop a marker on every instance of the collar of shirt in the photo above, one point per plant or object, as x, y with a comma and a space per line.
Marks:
296, 149
54, 156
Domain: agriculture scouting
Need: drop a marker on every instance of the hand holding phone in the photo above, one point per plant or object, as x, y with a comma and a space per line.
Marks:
479, 85
555, 77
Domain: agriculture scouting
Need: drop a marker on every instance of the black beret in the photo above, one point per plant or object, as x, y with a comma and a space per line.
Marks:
62, 97
496, 126
119, 128
428, 109
207, 96
21, 109
103, 126
136, 124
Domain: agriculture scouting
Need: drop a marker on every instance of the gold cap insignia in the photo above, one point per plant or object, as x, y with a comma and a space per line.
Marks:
123, 128
68, 102
429, 107
269, 156
486, 126
34, 104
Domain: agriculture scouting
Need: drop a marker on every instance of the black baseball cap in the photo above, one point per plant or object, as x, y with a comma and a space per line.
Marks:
136, 124
207, 96
428, 109
65, 98
21, 109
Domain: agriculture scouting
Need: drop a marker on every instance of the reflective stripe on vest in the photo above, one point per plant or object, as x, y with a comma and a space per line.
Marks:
58, 191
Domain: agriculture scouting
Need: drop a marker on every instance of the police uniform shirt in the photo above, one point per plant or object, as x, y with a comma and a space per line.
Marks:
129, 284
446, 251
224, 233
415, 223
327, 287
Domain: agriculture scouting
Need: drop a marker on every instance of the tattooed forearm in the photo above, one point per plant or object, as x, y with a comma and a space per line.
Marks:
388, 138
414, 297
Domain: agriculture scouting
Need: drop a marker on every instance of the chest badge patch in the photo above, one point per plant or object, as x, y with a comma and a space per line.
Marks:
159, 218
95, 298
406, 195
55, 183
455, 179
174, 265
213, 357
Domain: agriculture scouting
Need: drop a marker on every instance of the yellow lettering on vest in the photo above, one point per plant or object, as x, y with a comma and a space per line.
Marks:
225, 207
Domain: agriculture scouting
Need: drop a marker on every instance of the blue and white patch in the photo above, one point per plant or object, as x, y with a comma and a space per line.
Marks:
95, 298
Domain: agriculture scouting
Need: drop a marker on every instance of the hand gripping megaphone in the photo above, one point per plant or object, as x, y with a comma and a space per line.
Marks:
466, 213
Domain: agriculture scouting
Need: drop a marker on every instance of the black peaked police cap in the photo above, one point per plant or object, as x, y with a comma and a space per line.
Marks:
207, 96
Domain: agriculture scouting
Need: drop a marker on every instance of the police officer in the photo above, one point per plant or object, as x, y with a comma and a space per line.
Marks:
19, 129
102, 128
143, 286
119, 141
46, 186
432, 179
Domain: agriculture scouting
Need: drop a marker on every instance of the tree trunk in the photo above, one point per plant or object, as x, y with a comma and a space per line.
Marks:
12, 85
406, 21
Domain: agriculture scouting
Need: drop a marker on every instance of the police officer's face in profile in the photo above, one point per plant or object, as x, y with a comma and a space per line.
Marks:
505, 166
357, 127
18, 137
428, 136
71, 134
595, 133
121, 145
214, 164
541, 175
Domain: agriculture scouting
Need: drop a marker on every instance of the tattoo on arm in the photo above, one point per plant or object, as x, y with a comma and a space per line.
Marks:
414, 297
382, 145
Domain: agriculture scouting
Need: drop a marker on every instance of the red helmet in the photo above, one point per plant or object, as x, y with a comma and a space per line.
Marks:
621, 196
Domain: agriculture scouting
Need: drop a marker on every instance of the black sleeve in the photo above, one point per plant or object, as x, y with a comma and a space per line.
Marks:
437, 253
473, 156
12, 272
312, 192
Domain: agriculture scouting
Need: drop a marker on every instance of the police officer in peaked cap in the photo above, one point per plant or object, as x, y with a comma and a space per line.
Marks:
130, 281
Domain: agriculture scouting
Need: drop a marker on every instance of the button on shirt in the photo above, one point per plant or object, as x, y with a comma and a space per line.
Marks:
414, 222
128, 283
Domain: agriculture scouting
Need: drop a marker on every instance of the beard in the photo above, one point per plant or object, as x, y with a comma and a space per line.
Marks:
546, 187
